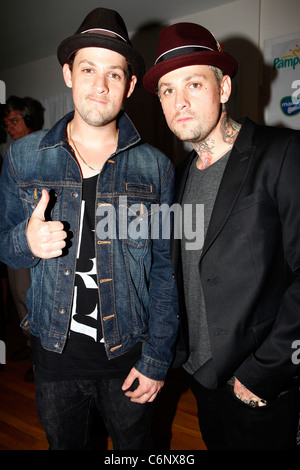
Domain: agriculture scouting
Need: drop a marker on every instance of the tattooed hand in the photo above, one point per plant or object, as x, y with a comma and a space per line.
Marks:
243, 394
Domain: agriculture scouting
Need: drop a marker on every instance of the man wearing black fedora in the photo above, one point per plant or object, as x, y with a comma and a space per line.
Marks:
239, 293
76, 208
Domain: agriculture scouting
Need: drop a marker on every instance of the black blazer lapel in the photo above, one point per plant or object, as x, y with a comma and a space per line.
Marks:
233, 180
181, 176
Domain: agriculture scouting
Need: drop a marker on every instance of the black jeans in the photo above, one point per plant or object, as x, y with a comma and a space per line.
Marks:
64, 410
226, 423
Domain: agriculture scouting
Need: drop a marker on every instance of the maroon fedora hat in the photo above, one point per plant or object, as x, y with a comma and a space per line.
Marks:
102, 28
185, 44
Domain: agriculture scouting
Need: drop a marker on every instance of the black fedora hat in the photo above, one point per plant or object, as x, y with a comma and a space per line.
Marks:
102, 28
185, 44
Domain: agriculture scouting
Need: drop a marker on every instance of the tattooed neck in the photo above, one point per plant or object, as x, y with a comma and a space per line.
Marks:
209, 151
205, 151
229, 129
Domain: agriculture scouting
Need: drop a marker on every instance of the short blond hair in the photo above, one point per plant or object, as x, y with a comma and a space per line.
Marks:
218, 73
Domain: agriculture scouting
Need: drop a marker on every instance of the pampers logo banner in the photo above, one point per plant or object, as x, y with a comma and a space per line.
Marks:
282, 55
289, 60
290, 105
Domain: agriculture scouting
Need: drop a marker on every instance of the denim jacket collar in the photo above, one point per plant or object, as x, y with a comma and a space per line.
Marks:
128, 135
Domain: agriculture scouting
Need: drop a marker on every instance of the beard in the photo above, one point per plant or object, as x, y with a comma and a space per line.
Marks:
196, 133
192, 135
96, 117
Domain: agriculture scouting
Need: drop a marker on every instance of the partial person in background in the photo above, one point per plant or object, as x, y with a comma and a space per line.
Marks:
239, 291
21, 116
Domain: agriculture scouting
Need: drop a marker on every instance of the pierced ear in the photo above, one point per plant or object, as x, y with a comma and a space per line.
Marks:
67, 75
225, 89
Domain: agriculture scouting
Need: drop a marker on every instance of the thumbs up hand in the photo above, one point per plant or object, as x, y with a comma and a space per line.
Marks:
46, 239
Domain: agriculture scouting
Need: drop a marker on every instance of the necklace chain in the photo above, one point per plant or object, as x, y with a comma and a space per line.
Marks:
70, 137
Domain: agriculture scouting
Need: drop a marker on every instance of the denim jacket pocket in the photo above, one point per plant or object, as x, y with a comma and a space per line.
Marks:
32, 193
135, 214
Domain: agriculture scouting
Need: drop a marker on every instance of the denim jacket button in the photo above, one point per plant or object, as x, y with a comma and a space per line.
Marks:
62, 310
57, 344
74, 194
67, 271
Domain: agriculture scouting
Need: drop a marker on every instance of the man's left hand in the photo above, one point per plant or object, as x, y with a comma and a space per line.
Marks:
243, 394
147, 389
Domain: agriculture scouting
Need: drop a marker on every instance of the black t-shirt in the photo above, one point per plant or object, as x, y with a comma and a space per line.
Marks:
84, 354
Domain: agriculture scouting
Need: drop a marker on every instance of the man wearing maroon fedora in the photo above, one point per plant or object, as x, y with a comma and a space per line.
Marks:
239, 292
75, 208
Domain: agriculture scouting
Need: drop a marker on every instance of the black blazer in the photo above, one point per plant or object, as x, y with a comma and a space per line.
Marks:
250, 264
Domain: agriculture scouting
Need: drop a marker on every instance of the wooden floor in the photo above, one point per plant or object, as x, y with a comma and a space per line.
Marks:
176, 424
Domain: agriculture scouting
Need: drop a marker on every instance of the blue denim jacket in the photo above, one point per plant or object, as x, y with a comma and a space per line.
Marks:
137, 291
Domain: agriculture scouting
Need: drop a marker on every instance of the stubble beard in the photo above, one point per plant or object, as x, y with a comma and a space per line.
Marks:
97, 119
194, 135
94, 115
198, 133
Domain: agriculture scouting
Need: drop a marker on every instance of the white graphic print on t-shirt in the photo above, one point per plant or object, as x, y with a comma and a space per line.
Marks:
85, 311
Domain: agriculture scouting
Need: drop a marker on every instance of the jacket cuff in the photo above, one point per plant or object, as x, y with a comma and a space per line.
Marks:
265, 381
152, 368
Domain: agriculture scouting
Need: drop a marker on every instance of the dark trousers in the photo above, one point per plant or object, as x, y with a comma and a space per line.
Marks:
64, 409
226, 423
